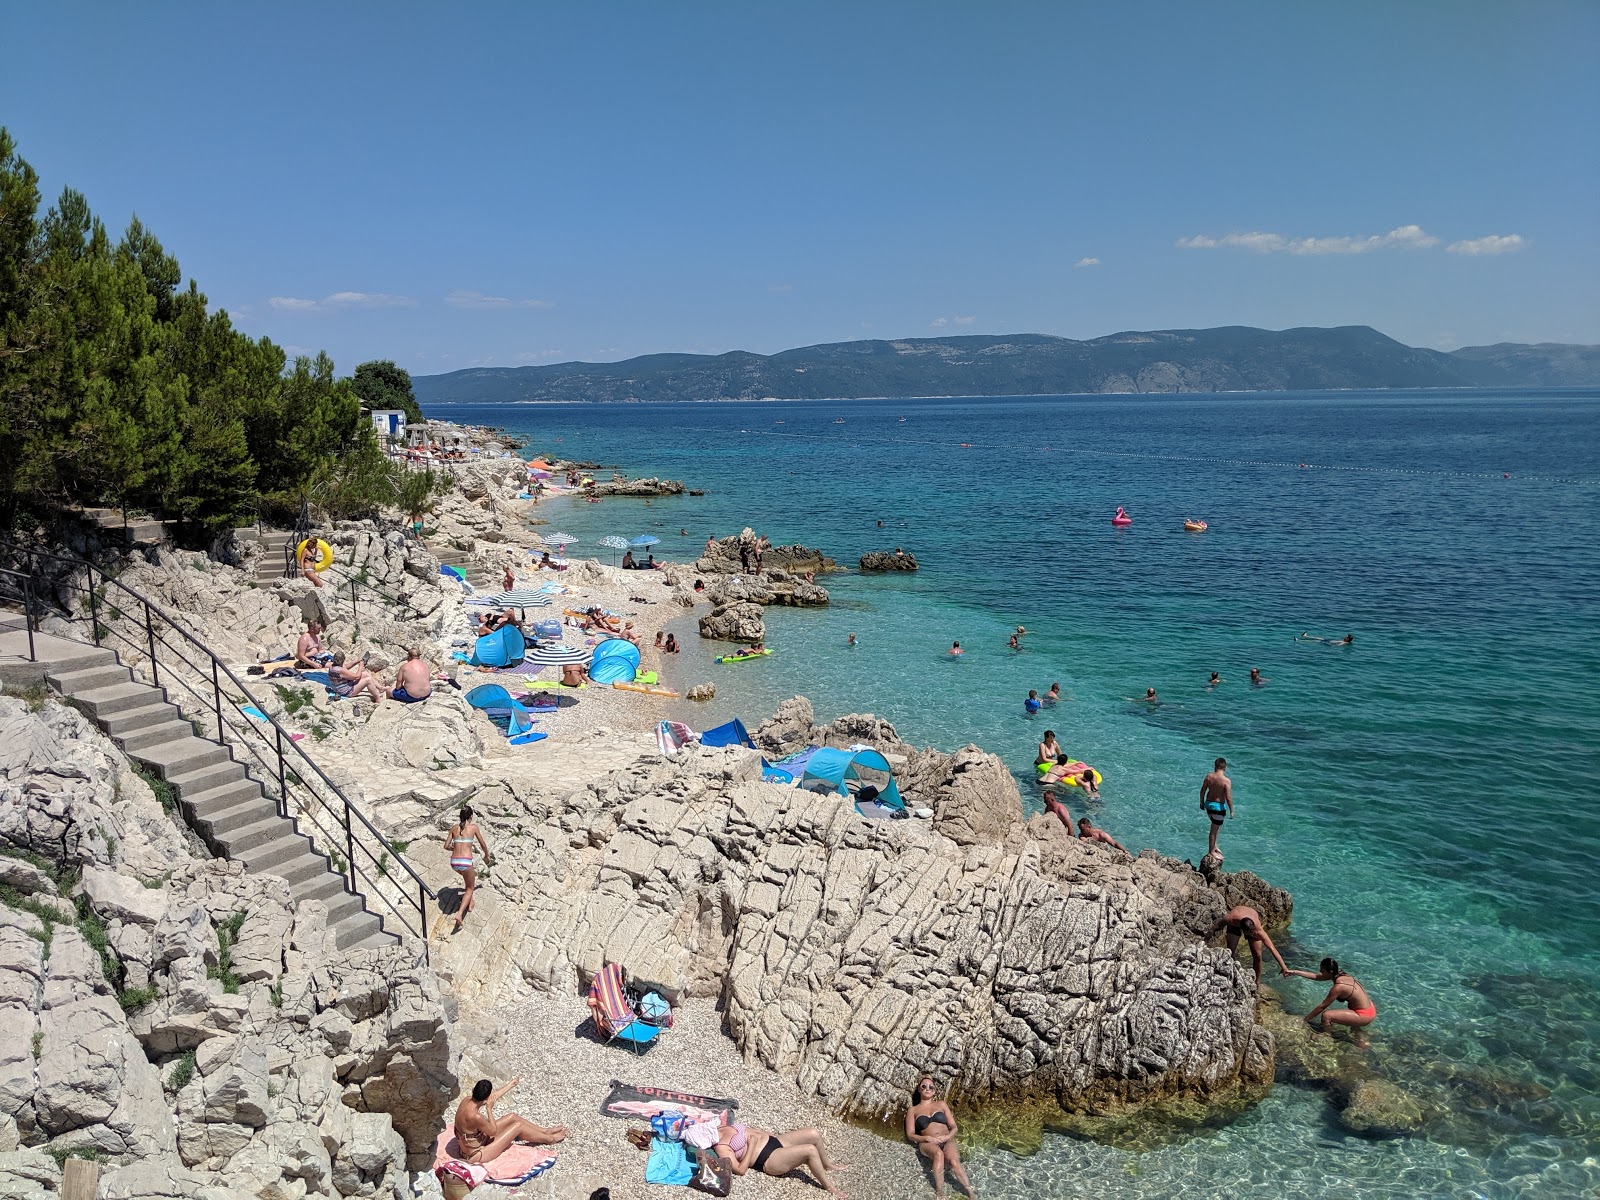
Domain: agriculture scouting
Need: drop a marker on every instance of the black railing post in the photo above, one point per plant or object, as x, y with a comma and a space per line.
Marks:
283, 786
352, 599
422, 920
27, 614
94, 608
216, 697
150, 632
349, 847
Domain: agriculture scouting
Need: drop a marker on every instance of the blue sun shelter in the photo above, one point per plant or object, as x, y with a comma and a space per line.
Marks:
615, 660
498, 706
502, 648
827, 769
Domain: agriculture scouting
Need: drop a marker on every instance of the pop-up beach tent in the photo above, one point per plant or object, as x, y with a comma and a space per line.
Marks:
498, 705
735, 734
825, 765
502, 648
615, 660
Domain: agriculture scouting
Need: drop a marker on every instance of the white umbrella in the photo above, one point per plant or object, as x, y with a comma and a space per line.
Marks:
560, 539
518, 598
613, 542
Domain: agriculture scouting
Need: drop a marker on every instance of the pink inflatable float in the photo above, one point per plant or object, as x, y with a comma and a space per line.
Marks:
1121, 518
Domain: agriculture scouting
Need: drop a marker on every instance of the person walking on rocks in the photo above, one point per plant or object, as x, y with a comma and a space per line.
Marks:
931, 1128
459, 843
1216, 801
483, 1137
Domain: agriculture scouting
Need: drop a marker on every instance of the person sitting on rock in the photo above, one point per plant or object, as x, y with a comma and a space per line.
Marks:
745, 1148
413, 681
483, 1137
931, 1128
1244, 921
1088, 833
350, 679
309, 654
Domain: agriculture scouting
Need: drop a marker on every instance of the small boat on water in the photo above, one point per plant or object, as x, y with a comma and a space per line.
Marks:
838, 420
1194, 526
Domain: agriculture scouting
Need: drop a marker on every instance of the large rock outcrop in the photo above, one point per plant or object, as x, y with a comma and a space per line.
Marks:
739, 621
182, 1018
736, 556
883, 560
852, 954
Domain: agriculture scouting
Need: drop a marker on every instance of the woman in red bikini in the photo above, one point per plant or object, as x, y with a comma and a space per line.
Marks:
1359, 1009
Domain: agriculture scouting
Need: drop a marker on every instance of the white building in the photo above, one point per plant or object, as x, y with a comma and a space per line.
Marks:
389, 424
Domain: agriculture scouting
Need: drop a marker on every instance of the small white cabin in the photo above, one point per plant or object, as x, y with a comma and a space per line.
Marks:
389, 424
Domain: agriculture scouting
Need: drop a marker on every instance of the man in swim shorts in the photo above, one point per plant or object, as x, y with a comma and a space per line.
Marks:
1216, 799
412, 683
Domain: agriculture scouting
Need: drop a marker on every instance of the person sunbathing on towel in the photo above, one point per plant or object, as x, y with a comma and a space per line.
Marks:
483, 1137
350, 679
745, 1148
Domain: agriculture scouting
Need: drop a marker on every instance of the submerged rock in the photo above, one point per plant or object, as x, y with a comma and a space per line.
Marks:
883, 560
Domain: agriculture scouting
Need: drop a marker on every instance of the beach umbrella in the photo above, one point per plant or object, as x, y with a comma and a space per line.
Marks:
518, 598
559, 539
536, 473
558, 655
613, 542
645, 539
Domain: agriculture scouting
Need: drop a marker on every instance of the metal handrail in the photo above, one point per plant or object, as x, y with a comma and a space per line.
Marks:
27, 606
284, 748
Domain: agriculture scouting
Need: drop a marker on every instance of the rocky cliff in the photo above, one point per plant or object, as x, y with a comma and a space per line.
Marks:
852, 955
183, 1020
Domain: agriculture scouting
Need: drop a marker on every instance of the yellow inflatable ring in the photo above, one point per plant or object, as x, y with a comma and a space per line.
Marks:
324, 553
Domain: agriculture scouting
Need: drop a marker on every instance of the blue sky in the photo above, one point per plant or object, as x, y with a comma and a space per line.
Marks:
452, 185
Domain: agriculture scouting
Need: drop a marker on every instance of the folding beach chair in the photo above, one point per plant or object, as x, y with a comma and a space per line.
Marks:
613, 1016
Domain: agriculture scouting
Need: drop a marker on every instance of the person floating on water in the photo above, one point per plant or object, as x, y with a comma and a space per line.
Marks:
1054, 694
1091, 789
1347, 640
1359, 1010
955, 650
1257, 679
1216, 801
1032, 704
1215, 680
1242, 921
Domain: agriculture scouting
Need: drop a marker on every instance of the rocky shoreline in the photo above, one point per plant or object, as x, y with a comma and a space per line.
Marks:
836, 958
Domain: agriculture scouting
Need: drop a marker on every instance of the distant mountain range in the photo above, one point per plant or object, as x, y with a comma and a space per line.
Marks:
1234, 358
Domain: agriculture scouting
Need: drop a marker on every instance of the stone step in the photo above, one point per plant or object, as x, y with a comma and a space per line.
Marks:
376, 939
117, 698
174, 759
149, 737
206, 776
243, 831
138, 718
87, 674
286, 847
229, 801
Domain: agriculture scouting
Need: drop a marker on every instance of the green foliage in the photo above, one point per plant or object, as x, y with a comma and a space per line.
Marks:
417, 489
86, 1153
166, 794
381, 384
38, 1043
34, 695
94, 932
182, 1072
132, 998
12, 898
227, 938
119, 386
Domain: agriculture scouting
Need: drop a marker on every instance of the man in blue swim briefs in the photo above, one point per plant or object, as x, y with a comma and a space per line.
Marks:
1216, 799
412, 682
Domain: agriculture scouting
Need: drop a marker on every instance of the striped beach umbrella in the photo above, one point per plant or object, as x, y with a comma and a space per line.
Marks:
559, 540
558, 655
518, 598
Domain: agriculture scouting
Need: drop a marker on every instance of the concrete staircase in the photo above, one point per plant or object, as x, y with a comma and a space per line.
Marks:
139, 532
269, 565
478, 575
220, 800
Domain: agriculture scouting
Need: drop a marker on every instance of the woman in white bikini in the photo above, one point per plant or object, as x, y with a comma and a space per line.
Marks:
459, 843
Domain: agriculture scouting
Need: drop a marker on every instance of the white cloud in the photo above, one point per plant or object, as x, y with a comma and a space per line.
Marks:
478, 300
941, 322
1087, 262
1494, 243
1403, 237
536, 356
780, 287
338, 301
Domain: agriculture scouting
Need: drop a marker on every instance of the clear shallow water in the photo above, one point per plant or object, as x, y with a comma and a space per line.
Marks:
1427, 794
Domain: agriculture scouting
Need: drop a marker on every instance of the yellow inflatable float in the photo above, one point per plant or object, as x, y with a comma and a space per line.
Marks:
324, 553
645, 688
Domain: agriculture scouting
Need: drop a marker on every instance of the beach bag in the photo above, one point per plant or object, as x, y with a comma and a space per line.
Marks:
712, 1175
654, 1010
668, 1126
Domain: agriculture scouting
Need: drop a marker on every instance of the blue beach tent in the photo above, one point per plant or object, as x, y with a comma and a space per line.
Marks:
497, 704
731, 734
615, 660
504, 647
832, 767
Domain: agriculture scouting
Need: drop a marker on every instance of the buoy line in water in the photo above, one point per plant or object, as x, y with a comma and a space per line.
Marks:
1194, 458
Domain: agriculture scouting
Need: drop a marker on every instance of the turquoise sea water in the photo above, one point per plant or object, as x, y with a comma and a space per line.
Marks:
1428, 794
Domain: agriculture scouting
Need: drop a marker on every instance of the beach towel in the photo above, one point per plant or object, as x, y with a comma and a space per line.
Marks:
518, 1163
628, 1102
669, 1163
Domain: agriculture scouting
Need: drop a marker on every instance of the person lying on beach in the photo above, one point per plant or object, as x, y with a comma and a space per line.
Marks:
1088, 833
1242, 921
745, 1148
309, 654
349, 679
489, 622
1049, 749
931, 1128
1359, 1010
412, 682
483, 1137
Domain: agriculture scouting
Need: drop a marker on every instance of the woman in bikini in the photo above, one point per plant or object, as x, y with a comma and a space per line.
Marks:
1359, 1010
747, 1148
931, 1128
459, 843
1049, 749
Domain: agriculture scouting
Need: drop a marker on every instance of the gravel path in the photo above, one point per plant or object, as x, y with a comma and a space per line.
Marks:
549, 1042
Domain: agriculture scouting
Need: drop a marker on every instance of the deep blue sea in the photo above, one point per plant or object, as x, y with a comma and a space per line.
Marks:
1428, 794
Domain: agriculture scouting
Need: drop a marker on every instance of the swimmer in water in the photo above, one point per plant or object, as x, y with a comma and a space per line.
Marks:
1054, 694
1013, 643
1256, 678
1347, 640
955, 650
1149, 697
1032, 704
1215, 680
851, 641
1086, 781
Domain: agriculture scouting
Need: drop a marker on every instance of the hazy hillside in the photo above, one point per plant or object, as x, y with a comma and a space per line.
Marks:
1234, 358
